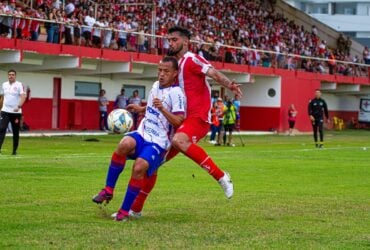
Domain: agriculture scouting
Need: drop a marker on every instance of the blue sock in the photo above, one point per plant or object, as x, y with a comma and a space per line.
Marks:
116, 167
133, 190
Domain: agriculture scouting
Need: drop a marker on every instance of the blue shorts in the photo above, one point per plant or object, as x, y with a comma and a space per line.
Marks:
122, 42
148, 151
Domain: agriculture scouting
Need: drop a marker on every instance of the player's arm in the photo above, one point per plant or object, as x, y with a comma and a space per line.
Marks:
135, 108
310, 111
21, 101
224, 81
174, 118
326, 112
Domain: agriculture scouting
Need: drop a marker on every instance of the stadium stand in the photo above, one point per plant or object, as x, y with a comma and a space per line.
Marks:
239, 31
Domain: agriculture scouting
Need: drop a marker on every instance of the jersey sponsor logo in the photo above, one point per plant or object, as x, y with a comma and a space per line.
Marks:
152, 122
151, 131
153, 111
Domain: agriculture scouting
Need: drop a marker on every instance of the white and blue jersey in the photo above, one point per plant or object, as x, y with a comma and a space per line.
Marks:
155, 127
154, 134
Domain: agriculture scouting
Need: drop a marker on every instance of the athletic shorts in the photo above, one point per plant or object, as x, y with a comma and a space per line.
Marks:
194, 128
96, 40
291, 123
122, 42
87, 35
229, 127
148, 151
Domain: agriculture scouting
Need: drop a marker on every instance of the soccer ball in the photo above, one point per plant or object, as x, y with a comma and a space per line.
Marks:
119, 121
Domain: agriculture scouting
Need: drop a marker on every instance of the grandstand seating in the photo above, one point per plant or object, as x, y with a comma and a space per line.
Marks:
254, 32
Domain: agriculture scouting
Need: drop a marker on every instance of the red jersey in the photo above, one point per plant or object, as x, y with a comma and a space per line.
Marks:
192, 79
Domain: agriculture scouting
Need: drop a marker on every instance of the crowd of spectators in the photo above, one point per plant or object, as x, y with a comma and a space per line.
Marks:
249, 28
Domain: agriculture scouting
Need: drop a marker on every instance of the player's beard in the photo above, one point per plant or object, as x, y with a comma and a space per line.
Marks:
172, 52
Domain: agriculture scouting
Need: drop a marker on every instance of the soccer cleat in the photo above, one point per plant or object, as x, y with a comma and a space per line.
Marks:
120, 216
227, 185
321, 145
102, 196
135, 215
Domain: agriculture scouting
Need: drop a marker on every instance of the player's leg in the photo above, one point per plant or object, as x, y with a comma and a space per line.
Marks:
148, 161
15, 120
185, 139
4, 121
133, 189
117, 164
314, 127
148, 185
321, 133
105, 119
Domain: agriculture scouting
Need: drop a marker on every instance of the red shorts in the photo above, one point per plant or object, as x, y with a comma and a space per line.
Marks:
194, 128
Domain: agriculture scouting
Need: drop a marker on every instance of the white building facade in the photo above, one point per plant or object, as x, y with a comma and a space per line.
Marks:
351, 17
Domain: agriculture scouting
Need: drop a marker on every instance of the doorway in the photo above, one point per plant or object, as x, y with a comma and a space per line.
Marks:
57, 84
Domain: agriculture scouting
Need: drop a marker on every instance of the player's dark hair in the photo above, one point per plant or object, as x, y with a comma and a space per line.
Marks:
12, 71
172, 60
182, 31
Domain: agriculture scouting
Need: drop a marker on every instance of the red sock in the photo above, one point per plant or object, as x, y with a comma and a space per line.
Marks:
171, 154
148, 185
200, 156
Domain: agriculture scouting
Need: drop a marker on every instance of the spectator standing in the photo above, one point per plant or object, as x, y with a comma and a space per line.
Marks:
347, 46
219, 117
35, 25
98, 26
366, 55
121, 100
341, 43
52, 28
6, 21
135, 99
14, 96
103, 110
89, 22
292, 115
69, 8
229, 122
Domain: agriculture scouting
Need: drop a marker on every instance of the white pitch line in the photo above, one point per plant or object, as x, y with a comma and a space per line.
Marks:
364, 148
90, 155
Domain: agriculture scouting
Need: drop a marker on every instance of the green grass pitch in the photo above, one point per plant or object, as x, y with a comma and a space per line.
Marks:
288, 195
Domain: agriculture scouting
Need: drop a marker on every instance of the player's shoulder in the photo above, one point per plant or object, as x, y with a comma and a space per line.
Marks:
155, 85
176, 89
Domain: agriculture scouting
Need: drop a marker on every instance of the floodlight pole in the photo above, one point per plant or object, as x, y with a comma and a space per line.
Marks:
153, 43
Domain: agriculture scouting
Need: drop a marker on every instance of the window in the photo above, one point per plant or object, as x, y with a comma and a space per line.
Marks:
129, 89
87, 88
317, 8
345, 8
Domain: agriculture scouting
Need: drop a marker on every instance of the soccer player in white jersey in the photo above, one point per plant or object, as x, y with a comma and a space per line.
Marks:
165, 111
13, 95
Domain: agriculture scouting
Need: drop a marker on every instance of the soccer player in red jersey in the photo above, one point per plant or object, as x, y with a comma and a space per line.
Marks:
192, 78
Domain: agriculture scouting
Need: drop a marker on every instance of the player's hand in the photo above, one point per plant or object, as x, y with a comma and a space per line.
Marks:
134, 108
16, 109
312, 118
158, 103
235, 88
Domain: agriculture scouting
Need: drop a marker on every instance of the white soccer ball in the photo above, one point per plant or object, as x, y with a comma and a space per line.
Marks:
120, 121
